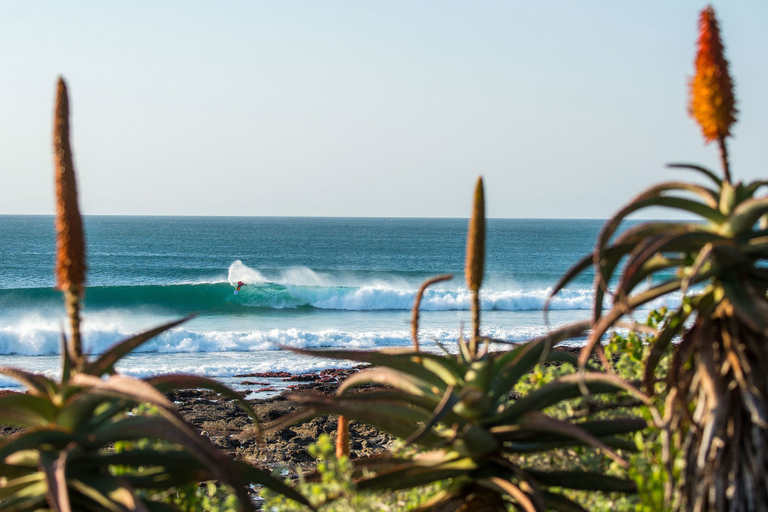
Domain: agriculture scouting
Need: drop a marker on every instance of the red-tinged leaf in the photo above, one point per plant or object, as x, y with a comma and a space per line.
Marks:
54, 469
398, 380
521, 499
26, 410
105, 363
32, 439
174, 381
706, 172
124, 387
38, 384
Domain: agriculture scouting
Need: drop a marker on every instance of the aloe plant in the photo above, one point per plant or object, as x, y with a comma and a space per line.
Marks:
64, 459
458, 409
717, 264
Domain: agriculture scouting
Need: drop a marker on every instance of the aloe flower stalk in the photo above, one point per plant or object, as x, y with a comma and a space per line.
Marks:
342, 437
712, 99
475, 259
70, 242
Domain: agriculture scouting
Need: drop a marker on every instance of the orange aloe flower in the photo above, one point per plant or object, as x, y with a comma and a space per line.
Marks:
70, 243
712, 99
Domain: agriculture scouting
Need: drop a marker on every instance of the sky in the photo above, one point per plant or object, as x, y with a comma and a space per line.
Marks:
366, 108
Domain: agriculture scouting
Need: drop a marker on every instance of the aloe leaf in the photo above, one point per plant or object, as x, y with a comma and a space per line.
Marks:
564, 388
414, 474
449, 400
109, 492
674, 325
390, 377
393, 417
124, 387
26, 410
583, 481
560, 503
32, 439
174, 429
746, 215
29, 496
55, 476
80, 408
524, 358
693, 167
426, 403
105, 363
450, 372
173, 381
750, 307
17, 485
38, 384
541, 423
520, 498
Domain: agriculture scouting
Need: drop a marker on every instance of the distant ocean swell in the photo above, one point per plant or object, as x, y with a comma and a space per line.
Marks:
219, 298
33, 338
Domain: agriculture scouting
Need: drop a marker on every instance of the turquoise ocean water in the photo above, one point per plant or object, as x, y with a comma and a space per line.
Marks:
311, 282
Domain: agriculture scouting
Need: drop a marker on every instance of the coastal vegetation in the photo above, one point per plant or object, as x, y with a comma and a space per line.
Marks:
667, 414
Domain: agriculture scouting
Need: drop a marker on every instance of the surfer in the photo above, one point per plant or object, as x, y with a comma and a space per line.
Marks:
240, 284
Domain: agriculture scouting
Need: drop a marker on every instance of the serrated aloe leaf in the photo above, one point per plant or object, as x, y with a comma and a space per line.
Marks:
520, 498
18, 484
583, 481
745, 216
28, 496
564, 388
554, 443
255, 476
449, 371
673, 327
535, 420
141, 457
559, 503
749, 308
173, 381
414, 475
597, 428
393, 417
38, 384
54, 468
123, 387
390, 377
174, 429
102, 491
105, 363
703, 170
426, 403
80, 408
26, 410
32, 439
528, 355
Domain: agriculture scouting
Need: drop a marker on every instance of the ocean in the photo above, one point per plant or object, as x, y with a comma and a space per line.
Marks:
310, 282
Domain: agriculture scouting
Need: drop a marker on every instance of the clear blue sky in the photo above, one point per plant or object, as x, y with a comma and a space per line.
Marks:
362, 108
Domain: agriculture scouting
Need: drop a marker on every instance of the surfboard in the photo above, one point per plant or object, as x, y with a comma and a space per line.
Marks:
236, 292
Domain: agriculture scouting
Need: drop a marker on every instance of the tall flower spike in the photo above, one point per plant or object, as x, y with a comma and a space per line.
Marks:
70, 242
713, 104
475, 262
